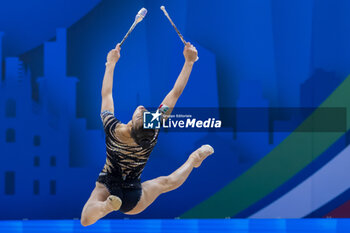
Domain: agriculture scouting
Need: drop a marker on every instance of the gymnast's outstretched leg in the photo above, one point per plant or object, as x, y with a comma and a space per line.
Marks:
151, 189
99, 205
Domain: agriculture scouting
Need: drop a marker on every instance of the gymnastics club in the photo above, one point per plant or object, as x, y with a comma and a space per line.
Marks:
172, 23
139, 17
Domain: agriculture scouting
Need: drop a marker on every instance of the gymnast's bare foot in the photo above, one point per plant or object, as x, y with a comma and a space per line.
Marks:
113, 202
200, 154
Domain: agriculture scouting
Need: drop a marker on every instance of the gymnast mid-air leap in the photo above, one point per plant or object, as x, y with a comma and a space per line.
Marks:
128, 148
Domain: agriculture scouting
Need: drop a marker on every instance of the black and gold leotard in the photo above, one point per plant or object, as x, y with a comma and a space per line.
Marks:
123, 160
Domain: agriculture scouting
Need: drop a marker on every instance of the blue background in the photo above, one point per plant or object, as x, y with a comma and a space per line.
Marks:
255, 53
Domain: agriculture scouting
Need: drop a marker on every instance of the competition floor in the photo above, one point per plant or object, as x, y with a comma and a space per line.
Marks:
182, 226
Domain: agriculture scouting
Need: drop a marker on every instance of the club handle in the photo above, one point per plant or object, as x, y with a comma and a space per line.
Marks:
122, 42
128, 33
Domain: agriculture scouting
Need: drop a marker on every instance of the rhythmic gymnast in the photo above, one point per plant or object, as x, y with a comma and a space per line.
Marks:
128, 147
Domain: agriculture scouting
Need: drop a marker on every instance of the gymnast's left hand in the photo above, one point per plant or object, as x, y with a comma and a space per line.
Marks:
114, 55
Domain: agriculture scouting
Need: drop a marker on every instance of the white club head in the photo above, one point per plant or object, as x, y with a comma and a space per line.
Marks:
163, 9
140, 15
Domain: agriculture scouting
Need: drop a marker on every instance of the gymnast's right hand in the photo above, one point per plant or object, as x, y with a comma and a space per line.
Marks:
113, 55
190, 53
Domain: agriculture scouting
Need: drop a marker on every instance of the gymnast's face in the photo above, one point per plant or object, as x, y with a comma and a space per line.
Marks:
137, 117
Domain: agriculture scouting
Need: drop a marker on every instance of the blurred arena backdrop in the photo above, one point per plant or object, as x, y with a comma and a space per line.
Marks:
255, 53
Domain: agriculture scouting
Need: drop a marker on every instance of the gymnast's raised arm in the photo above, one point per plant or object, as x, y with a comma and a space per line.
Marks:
107, 85
190, 54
